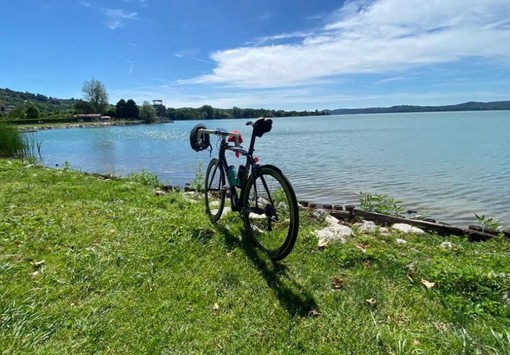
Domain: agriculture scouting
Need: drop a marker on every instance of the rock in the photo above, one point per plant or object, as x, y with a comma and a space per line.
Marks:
330, 220
319, 214
401, 241
407, 229
446, 245
366, 227
384, 231
333, 233
160, 193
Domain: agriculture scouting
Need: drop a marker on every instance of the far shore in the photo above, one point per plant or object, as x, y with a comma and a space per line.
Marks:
66, 125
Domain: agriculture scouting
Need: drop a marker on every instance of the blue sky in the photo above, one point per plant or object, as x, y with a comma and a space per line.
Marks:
277, 54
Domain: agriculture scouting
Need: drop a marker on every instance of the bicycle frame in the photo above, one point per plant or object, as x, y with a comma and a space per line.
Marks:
250, 165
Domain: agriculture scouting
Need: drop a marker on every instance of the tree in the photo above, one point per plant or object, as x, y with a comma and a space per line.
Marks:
132, 110
237, 112
148, 113
171, 113
111, 112
208, 111
120, 109
94, 92
32, 112
84, 107
17, 112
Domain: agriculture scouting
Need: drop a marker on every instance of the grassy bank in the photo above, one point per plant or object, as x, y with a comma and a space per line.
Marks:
90, 265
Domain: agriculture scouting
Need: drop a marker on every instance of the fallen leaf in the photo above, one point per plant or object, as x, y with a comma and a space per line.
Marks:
38, 264
428, 284
38, 268
440, 326
337, 283
362, 247
371, 301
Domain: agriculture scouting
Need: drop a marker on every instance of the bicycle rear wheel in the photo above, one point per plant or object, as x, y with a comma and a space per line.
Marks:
214, 190
270, 212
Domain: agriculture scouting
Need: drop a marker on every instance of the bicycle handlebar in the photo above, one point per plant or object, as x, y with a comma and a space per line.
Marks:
260, 127
222, 133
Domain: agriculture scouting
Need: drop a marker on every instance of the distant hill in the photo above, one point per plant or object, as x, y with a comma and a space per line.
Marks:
54, 107
467, 106
47, 105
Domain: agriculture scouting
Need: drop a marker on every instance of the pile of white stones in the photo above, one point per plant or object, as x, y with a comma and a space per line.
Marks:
338, 232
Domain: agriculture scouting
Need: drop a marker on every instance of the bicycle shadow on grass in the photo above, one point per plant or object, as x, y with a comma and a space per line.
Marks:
293, 297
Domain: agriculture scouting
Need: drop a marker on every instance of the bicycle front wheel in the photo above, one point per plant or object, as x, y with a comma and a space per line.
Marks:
214, 190
270, 212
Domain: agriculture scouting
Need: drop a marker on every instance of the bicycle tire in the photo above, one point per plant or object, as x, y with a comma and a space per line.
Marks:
214, 190
270, 212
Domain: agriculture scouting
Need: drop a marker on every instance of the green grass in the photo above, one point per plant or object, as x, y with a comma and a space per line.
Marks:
108, 266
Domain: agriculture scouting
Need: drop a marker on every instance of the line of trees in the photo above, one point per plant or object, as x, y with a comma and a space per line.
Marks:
97, 102
17, 105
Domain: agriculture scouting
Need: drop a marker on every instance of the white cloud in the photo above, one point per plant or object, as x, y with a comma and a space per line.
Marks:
142, 3
131, 67
382, 36
115, 18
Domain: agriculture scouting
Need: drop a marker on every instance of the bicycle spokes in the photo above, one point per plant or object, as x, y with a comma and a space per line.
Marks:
270, 212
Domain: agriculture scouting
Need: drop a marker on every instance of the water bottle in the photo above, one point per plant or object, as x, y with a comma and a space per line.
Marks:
232, 175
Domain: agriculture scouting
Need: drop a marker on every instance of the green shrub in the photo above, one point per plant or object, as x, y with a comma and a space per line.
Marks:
12, 143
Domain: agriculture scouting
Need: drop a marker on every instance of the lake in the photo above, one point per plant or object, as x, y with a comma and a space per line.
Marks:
445, 165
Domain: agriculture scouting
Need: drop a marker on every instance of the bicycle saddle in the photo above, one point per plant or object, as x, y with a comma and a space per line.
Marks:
261, 126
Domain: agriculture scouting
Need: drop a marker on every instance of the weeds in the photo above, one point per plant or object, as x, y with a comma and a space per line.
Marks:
198, 182
12, 143
488, 223
16, 144
33, 144
380, 204
145, 178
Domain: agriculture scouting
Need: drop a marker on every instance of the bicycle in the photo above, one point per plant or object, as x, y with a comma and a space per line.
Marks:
265, 200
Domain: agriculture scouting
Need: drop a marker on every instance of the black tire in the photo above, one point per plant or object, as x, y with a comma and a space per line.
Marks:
270, 212
214, 190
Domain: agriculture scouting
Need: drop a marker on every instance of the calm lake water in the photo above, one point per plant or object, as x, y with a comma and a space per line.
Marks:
445, 165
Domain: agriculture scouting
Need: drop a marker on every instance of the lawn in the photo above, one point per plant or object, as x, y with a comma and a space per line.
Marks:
90, 265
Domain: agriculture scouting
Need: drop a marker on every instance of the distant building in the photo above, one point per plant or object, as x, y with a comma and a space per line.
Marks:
91, 117
160, 108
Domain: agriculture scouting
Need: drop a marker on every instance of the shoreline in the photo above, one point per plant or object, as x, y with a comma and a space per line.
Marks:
68, 125
350, 213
